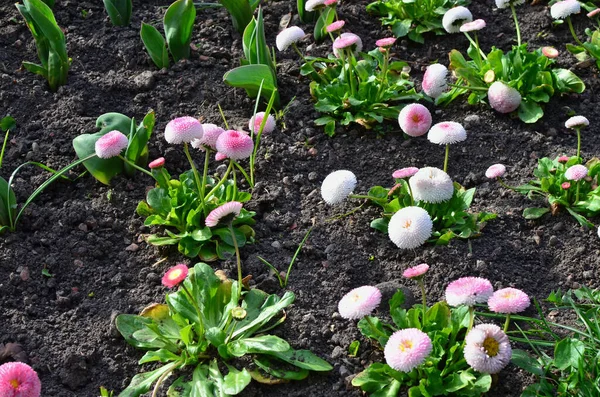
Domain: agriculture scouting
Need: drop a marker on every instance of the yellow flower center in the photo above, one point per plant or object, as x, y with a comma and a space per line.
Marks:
416, 118
355, 297
14, 383
407, 223
509, 295
175, 274
491, 346
405, 345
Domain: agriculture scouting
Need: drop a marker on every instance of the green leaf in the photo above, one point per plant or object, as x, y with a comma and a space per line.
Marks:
353, 348
303, 359
401, 28
119, 11
178, 23
568, 353
8, 203
523, 360
141, 383
7, 123
278, 369
535, 213
272, 306
567, 81
265, 344
162, 355
155, 45
137, 150
326, 17
380, 224
132, 328
235, 381
240, 12
250, 78
530, 112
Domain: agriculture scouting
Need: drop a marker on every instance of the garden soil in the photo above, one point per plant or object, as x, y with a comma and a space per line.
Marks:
78, 257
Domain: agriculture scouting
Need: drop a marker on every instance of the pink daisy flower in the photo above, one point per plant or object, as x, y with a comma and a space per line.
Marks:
434, 80
220, 156
225, 212
19, 380
495, 171
414, 119
330, 2
386, 42
406, 172
347, 40
111, 144
407, 349
416, 271
289, 36
183, 130
508, 300
209, 138
565, 185
576, 172
477, 24
158, 163
577, 122
256, 121
550, 52
410, 227
503, 98
359, 302
593, 13
563, 159
468, 291
175, 275
487, 349
447, 133
235, 145
335, 26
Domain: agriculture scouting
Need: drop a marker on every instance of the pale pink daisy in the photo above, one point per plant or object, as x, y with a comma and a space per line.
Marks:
19, 380
563, 9
455, 17
337, 186
593, 13
508, 300
434, 80
576, 172
487, 349
495, 171
565, 185
111, 144
220, 156
330, 2
209, 138
347, 40
414, 119
416, 271
175, 275
256, 121
359, 302
335, 26
225, 212
235, 145
550, 52
407, 349
576, 122
158, 163
503, 98
405, 172
410, 227
447, 133
468, 291
386, 42
477, 24
183, 130
289, 36
431, 185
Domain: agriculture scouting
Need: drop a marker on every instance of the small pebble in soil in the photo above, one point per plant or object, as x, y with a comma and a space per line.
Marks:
553, 241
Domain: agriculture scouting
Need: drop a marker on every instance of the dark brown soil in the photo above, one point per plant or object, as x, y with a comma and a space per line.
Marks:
90, 239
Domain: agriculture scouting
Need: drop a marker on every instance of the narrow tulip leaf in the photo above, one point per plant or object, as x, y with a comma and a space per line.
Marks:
178, 23
325, 19
155, 45
36, 69
305, 16
119, 11
240, 11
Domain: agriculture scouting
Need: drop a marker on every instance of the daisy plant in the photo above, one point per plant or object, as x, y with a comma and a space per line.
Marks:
213, 336
414, 19
429, 350
119, 11
516, 81
325, 13
565, 183
49, 41
585, 50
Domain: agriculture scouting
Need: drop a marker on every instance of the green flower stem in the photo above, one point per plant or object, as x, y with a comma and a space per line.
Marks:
200, 321
423, 297
577, 192
476, 44
223, 116
514, 14
223, 179
573, 31
346, 214
350, 72
295, 47
386, 61
243, 173
507, 322
237, 256
204, 178
194, 170
478, 50
136, 167
468, 87
374, 327
471, 318
412, 199
578, 141
366, 196
446, 157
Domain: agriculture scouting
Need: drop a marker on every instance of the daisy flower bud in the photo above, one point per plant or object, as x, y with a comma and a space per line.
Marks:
111, 144
550, 52
508, 300
224, 213
563, 159
347, 40
337, 186
416, 271
288, 36
183, 129
335, 26
495, 171
431, 185
410, 227
508, 3
386, 42
359, 302
407, 349
503, 98
455, 17
576, 172
447, 133
477, 24
312, 5
330, 2
565, 8
158, 163
220, 156
468, 291
209, 138
235, 145
414, 119
19, 380
593, 13
434, 80
256, 121
487, 349
406, 172
577, 122
565, 185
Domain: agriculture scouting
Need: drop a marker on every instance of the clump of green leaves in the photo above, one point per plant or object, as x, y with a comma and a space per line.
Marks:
240, 11
178, 25
413, 18
119, 11
208, 327
49, 41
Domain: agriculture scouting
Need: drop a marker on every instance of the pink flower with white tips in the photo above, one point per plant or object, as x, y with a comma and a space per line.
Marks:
209, 138
386, 42
476, 25
434, 80
256, 121
347, 40
495, 171
226, 212
183, 130
220, 156
503, 98
235, 145
577, 122
416, 271
359, 302
111, 144
550, 52
414, 119
406, 172
576, 172
468, 291
158, 163
407, 349
19, 380
335, 26
447, 133
508, 300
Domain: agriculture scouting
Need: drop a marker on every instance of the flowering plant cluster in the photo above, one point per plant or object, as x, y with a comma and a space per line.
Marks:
324, 12
414, 18
351, 86
434, 350
565, 182
518, 80
209, 325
